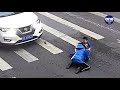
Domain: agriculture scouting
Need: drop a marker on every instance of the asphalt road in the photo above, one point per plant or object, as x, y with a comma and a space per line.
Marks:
105, 55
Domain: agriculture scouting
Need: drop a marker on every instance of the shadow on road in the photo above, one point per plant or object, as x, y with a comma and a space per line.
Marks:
4, 47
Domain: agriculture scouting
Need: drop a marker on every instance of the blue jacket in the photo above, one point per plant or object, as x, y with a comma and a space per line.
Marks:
80, 54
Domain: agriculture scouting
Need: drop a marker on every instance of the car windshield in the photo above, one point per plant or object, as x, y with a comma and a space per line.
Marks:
4, 14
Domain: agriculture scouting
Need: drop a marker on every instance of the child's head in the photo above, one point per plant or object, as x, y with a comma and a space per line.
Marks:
85, 39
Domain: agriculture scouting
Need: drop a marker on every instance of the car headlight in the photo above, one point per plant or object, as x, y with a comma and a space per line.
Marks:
4, 29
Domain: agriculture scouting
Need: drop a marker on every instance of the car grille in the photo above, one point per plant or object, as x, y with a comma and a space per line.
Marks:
24, 31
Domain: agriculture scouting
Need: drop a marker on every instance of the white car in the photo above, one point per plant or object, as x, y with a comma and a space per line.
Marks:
19, 27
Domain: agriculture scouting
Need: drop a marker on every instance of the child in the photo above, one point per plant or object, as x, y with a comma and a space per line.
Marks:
81, 56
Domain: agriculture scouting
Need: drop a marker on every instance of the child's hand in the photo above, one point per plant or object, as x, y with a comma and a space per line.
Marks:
89, 49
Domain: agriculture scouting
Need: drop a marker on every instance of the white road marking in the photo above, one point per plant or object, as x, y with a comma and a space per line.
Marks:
98, 14
26, 55
103, 15
61, 35
51, 48
96, 24
4, 65
76, 27
118, 41
13, 77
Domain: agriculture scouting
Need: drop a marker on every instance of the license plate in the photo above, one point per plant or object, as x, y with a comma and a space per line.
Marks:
27, 37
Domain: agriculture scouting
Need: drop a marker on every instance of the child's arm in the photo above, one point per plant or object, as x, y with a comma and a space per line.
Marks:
90, 46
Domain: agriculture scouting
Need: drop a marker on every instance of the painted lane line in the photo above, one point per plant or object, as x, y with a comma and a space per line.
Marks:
96, 24
61, 35
75, 27
98, 14
118, 41
103, 15
48, 46
13, 77
4, 65
26, 55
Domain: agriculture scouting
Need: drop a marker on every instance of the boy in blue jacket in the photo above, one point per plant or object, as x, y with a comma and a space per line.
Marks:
81, 56
87, 45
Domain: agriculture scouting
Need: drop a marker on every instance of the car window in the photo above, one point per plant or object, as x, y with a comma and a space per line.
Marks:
4, 14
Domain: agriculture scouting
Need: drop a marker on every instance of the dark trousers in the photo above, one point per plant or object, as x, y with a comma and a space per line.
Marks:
81, 65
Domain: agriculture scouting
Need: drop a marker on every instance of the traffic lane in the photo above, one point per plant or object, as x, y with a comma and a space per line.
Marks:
95, 63
35, 50
103, 49
63, 45
65, 29
58, 64
15, 61
48, 61
95, 72
48, 66
97, 46
54, 65
107, 64
18, 63
103, 58
83, 19
41, 53
101, 66
114, 14
55, 68
60, 27
97, 19
20, 66
110, 37
25, 70
3, 75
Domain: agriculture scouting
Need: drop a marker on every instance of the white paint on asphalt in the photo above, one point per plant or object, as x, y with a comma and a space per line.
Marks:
96, 24
4, 65
103, 15
76, 27
48, 46
26, 55
61, 35
98, 14
13, 77
118, 41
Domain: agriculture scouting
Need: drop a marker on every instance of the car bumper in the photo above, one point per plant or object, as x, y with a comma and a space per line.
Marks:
16, 40
33, 39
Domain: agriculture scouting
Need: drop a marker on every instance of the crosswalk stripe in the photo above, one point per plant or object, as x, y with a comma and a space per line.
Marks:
26, 55
98, 14
51, 48
60, 35
118, 41
103, 15
75, 27
4, 65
